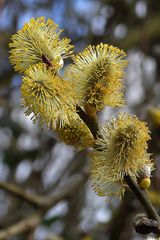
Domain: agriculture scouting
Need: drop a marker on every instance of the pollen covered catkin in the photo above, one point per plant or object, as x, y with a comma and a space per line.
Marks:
47, 97
97, 74
39, 41
120, 150
76, 133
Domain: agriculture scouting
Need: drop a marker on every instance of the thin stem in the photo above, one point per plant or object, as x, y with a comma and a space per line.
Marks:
90, 122
24, 225
44, 202
35, 200
46, 61
143, 198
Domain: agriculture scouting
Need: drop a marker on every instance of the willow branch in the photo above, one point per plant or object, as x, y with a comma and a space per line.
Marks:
20, 193
45, 202
22, 226
140, 194
143, 198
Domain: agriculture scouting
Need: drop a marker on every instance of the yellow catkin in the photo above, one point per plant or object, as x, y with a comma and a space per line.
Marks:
97, 74
38, 41
47, 97
121, 149
76, 133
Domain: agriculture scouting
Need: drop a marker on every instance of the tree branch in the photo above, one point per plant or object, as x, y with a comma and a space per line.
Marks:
24, 225
20, 193
46, 202
143, 198
43, 203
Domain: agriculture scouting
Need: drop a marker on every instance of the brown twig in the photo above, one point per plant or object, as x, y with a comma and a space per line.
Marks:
42, 202
24, 225
143, 225
46, 61
20, 193
143, 198
46, 202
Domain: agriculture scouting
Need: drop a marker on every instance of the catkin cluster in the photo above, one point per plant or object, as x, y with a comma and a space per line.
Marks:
92, 81
38, 52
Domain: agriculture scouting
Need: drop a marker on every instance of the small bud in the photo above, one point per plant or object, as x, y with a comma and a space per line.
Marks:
61, 62
144, 175
145, 183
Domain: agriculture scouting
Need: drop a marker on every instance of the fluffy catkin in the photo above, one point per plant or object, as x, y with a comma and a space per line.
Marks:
97, 74
120, 150
47, 97
38, 41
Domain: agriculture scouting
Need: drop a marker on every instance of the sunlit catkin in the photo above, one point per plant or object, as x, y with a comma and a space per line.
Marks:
39, 41
46, 96
120, 150
97, 74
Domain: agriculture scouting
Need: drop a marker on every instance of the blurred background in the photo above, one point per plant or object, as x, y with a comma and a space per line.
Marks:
35, 160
